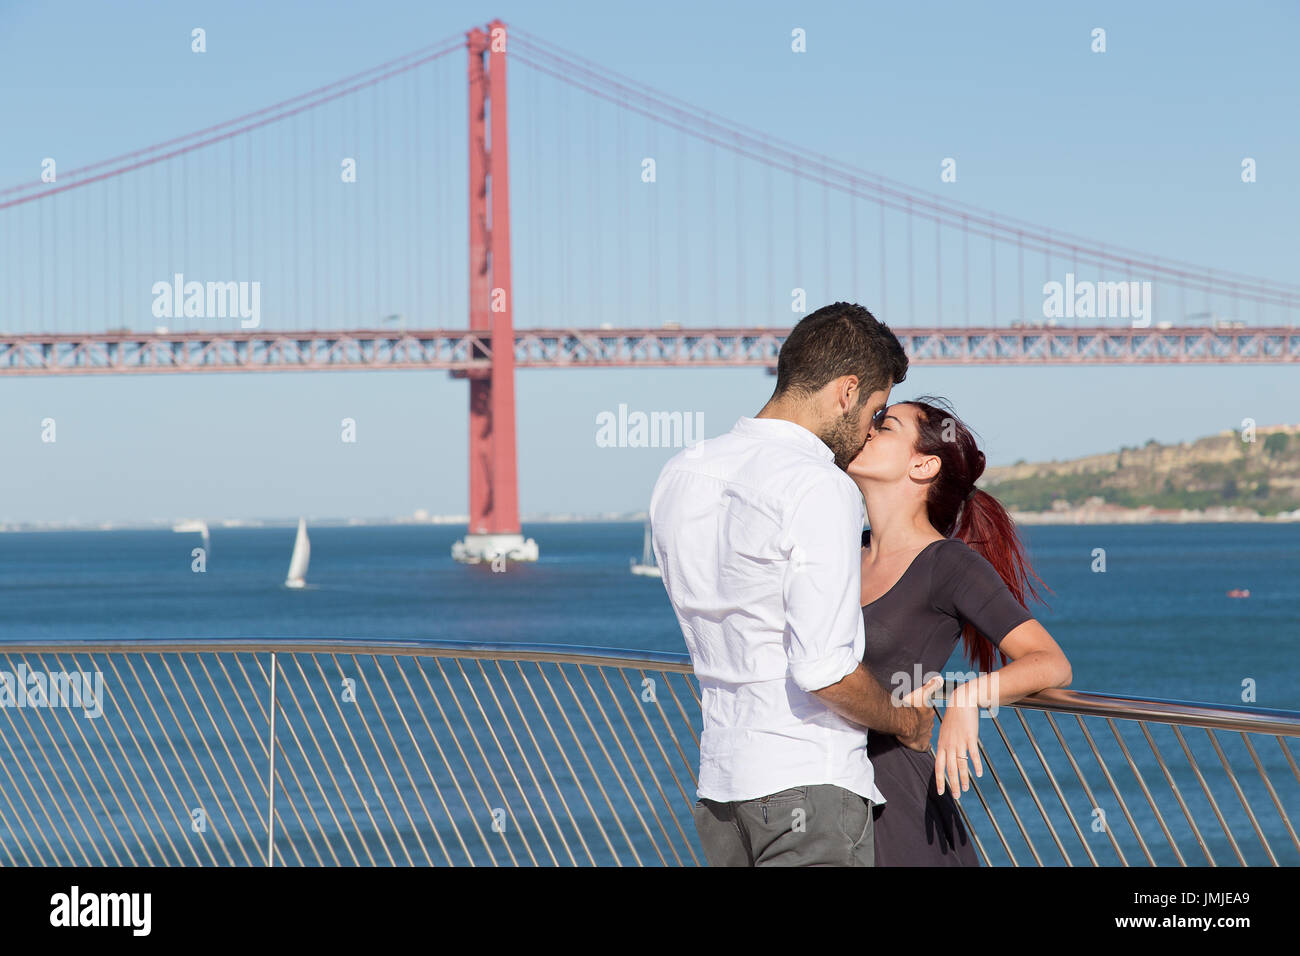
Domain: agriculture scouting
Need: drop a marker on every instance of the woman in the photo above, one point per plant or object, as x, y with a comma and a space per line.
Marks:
941, 560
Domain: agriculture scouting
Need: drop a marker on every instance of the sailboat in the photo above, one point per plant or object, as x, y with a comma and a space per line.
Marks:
648, 567
301, 555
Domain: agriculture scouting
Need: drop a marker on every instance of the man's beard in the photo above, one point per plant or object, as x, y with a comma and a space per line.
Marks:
841, 436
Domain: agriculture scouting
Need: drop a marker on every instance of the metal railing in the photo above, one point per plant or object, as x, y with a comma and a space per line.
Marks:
357, 753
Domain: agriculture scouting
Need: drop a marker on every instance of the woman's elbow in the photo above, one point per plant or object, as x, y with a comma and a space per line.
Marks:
1064, 673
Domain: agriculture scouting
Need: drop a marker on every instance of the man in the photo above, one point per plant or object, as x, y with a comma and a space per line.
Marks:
757, 533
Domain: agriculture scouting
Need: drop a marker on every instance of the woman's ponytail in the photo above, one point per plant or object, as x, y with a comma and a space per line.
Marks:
957, 509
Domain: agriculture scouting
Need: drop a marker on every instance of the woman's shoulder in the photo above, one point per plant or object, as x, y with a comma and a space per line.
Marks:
954, 549
959, 573
954, 558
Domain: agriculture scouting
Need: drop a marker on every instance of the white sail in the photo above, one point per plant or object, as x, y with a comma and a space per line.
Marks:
648, 567
301, 555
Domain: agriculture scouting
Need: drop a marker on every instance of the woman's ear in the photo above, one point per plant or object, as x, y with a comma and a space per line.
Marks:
926, 467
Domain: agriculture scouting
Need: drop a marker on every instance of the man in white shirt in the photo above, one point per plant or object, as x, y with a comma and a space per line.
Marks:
757, 533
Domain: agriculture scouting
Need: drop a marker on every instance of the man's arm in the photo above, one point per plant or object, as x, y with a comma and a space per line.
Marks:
823, 589
860, 698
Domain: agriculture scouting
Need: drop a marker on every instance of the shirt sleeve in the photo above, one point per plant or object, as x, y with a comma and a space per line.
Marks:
965, 585
824, 635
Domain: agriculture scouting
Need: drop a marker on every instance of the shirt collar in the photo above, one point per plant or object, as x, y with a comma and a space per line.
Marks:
783, 429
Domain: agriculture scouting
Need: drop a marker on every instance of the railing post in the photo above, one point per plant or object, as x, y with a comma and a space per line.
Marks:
270, 782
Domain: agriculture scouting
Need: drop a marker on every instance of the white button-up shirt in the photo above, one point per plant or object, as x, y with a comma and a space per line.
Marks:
757, 533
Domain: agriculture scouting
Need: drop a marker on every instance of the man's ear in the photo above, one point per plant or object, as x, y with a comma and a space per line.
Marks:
846, 392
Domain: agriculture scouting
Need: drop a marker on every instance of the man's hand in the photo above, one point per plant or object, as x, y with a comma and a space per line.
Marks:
919, 707
860, 698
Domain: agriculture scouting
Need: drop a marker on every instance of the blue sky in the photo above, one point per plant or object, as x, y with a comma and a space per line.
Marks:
1140, 146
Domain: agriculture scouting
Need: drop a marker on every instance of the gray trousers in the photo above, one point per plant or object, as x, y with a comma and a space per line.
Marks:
816, 825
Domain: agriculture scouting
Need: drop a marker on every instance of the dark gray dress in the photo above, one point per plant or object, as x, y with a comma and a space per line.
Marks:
919, 620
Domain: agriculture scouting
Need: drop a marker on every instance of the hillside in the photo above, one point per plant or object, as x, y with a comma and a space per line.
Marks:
1219, 473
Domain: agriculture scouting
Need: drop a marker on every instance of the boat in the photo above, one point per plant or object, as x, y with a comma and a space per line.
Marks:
647, 567
195, 525
297, 577
475, 548
1239, 593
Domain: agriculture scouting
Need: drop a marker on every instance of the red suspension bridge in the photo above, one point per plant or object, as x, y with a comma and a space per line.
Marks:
327, 231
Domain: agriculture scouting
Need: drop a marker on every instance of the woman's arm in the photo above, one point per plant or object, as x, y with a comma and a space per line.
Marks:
1037, 663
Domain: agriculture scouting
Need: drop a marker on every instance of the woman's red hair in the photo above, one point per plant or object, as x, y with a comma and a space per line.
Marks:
979, 520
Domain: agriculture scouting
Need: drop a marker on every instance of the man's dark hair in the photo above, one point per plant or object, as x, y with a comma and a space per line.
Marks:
837, 340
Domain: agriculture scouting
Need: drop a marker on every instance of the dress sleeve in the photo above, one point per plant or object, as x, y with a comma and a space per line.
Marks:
965, 585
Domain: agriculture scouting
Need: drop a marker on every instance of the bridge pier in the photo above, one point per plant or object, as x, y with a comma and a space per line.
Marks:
494, 529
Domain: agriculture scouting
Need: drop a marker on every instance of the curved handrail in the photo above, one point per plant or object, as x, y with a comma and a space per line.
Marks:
552, 653
1057, 700
1186, 713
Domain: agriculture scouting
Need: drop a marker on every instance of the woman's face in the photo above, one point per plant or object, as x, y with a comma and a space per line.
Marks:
890, 451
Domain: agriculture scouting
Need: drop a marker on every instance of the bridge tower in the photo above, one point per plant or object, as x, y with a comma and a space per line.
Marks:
494, 529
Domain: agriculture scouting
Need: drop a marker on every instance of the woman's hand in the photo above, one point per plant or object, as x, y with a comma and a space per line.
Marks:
959, 736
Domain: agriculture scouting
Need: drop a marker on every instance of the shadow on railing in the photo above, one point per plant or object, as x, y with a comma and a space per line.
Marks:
156, 753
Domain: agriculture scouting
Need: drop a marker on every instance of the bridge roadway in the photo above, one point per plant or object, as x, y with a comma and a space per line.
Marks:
467, 353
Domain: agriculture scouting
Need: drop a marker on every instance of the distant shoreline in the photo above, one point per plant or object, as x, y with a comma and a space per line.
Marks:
159, 524
1106, 515
1115, 515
